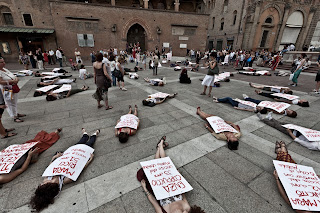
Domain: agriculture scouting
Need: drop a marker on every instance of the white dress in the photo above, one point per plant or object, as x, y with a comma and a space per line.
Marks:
208, 81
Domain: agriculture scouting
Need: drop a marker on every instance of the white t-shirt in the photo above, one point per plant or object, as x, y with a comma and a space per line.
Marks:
295, 101
112, 66
306, 143
82, 72
7, 75
275, 90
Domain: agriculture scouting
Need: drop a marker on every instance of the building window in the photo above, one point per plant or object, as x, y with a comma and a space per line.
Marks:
27, 19
222, 24
264, 38
8, 19
234, 17
5, 48
225, 6
85, 40
268, 20
213, 21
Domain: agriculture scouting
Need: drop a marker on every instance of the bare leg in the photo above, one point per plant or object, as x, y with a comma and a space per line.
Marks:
202, 114
130, 109
2, 129
204, 90
135, 110
99, 104
256, 86
210, 89
318, 86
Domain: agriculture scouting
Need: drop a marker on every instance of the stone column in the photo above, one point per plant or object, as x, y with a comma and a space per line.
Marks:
113, 2
254, 25
176, 5
283, 25
146, 4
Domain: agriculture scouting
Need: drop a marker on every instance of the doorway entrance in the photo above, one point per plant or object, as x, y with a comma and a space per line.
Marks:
135, 34
30, 44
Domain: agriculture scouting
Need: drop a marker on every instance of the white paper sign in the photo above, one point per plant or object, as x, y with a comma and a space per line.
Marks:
262, 72
159, 95
277, 87
65, 87
49, 77
71, 163
183, 46
164, 178
10, 155
247, 103
277, 106
219, 125
51, 73
310, 134
286, 96
301, 184
47, 88
129, 120
166, 45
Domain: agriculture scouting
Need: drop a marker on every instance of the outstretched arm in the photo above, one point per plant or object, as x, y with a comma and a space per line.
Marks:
249, 110
151, 198
291, 134
280, 188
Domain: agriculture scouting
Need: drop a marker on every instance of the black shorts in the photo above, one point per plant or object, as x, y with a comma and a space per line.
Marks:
318, 77
1, 111
120, 79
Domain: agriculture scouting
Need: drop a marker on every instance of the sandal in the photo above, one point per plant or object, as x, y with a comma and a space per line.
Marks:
165, 144
278, 146
18, 120
203, 93
100, 106
21, 115
109, 107
10, 130
8, 135
59, 129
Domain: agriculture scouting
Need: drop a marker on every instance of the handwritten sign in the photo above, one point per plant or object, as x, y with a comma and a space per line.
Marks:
164, 178
247, 103
219, 125
10, 155
262, 72
301, 184
310, 134
278, 87
71, 163
65, 87
159, 95
129, 120
52, 73
47, 88
277, 106
286, 96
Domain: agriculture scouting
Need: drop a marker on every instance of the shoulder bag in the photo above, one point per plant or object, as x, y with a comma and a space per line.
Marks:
214, 71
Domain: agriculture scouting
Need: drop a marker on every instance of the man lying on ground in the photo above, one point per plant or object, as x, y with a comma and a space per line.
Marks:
157, 98
64, 92
56, 81
255, 73
156, 82
277, 89
276, 97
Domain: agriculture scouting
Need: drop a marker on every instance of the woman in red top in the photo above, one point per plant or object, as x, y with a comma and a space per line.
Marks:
45, 56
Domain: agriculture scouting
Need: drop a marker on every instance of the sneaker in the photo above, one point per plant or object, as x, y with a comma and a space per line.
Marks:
164, 80
259, 116
294, 85
269, 116
124, 89
245, 96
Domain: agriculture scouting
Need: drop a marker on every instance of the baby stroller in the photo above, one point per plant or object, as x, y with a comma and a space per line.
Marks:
73, 65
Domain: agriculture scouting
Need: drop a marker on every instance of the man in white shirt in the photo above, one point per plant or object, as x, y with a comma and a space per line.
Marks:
59, 57
51, 57
299, 138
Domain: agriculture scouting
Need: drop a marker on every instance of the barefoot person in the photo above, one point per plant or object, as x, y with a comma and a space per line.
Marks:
53, 95
127, 125
51, 186
5, 133
155, 82
213, 70
155, 99
276, 89
231, 137
174, 204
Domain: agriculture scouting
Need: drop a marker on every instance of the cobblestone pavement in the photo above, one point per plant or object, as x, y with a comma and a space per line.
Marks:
223, 180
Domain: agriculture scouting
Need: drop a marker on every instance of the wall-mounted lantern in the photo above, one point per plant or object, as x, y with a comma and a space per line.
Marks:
158, 30
114, 28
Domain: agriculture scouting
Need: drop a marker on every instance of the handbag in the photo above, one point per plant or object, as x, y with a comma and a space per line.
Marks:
291, 76
213, 71
117, 73
108, 83
15, 88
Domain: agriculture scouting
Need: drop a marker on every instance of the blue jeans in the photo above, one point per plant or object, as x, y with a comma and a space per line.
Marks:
228, 100
60, 61
253, 100
89, 142
114, 80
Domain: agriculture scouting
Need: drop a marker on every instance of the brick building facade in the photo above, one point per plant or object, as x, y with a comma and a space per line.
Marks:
97, 24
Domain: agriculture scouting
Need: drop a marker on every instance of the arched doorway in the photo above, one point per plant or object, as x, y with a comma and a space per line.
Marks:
136, 33
292, 30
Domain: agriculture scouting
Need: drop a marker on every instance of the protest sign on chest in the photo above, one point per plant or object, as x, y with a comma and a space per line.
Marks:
10, 155
71, 163
310, 134
164, 178
247, 103
286, 96
219, 125
65, 87
276, 106
129, 120
159, 95
47, 88
301, 184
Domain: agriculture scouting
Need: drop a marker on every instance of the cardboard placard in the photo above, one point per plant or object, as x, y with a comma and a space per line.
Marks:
71, 163
247, 103
159, 95
301, 184
164, 178
47, 88
129, 121
219, 125
65, 87
277, 106
310, 134
262, 72
10, 155
286, 96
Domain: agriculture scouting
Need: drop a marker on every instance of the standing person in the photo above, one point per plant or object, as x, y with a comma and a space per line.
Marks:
83, 75
112, 69
138, 58
103, 81
155, 64
64, 58
59, 56
25, 60
39, 57
6, 77
276, 61
5, 133
45, 58
32, 60
208, 81
52, 57
144, 60
318, 78
93, 57
298, 70
120, 68
77, 54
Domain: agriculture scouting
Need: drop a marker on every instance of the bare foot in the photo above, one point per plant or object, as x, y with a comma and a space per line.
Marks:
83, 130
198, 109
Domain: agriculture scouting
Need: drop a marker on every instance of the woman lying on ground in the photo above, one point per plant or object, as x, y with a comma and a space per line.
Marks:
295, 135
45, 74
54, 96
135, 69
256, 73
277, 89
289, 112
45, 141
283, 155
155, 82
174, 204
51, 186
301, 102
231, 137
56, 81
153, 100
240, 106
122, 130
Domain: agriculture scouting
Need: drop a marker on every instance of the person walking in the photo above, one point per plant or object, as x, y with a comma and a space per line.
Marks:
208, 80
59, 56
318, 78
297, 72
32, 60
120, 79
9, 80
64, 58
52, 59
155, 64
39, 58
112, 69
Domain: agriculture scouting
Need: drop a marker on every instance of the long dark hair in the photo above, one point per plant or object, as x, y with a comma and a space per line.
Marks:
44, 195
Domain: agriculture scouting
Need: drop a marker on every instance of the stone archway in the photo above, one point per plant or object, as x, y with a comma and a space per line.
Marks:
137, 33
